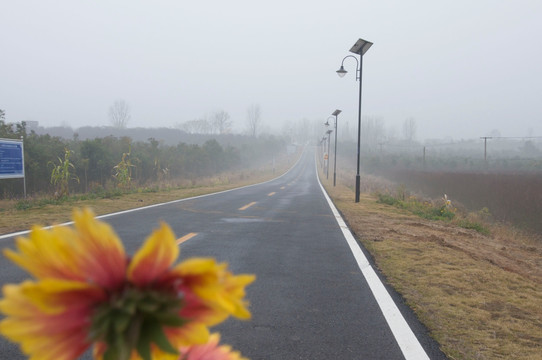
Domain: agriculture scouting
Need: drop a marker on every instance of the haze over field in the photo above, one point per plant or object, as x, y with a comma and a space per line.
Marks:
459, 68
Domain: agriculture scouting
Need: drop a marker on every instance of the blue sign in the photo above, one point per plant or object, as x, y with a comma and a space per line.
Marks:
11, 159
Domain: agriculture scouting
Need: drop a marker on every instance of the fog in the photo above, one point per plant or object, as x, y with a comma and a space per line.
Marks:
461, 69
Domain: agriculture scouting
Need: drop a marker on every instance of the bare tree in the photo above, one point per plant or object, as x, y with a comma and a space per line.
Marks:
221, 122
119, 114
409, 129
254, 119
372, 131
197, 126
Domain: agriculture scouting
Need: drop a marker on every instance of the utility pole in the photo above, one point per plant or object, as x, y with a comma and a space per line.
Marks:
485, 146
424, 156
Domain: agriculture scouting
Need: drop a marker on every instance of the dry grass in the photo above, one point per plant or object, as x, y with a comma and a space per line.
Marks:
480, 296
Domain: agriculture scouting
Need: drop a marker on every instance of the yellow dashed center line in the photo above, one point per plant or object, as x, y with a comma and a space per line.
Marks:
271, 194
185, 238
247, 206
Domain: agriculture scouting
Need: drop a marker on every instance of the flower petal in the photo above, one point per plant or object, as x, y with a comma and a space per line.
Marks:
50, 318
47, 254
215, 285
154, 259
210, 351
99, 250
90, 253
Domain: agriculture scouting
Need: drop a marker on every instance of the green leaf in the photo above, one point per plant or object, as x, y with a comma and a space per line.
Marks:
144, 349
148, 306
171, 320
118, 350
159, 338
121, 322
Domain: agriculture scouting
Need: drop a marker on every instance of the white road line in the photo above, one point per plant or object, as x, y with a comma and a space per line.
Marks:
407, 341
20, 233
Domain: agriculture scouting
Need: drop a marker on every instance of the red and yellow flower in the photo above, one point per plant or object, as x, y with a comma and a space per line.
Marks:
88, 292
210, 351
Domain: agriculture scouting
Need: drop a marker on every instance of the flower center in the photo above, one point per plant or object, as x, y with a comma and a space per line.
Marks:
133, 319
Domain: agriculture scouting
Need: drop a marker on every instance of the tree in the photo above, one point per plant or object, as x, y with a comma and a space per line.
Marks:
372, 131
221, 122
254, 119
2, 115
197, 126
409, 129
119, 114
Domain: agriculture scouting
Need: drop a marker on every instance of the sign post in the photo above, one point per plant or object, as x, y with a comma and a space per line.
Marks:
12, 160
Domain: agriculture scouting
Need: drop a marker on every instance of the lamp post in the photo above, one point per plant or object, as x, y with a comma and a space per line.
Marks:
323, 142
335, 113
360, 47
328, 140
327, 126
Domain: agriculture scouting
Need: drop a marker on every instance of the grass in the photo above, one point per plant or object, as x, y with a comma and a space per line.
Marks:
18, 215
478, 293
432, 211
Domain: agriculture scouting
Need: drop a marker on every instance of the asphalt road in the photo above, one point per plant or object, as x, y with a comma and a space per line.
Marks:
313, 299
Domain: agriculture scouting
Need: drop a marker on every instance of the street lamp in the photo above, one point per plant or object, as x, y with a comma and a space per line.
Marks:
335, 113
328, 139
360, 47
323, 143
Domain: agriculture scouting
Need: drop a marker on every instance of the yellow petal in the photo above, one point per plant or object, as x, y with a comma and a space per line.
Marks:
99, 250
46, 253
91, 252
214, 284
155, 257
50, 318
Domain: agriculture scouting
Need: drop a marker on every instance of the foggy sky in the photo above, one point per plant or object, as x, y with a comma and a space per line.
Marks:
459, 68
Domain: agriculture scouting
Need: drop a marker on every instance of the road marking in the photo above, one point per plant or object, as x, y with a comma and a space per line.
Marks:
247, 206
282, 188
271, 194
409, 345
185, 238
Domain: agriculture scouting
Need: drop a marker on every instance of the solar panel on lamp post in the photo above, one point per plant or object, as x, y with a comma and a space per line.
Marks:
360, 48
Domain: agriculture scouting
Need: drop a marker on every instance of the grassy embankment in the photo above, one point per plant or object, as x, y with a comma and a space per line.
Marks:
18, 215
478, 292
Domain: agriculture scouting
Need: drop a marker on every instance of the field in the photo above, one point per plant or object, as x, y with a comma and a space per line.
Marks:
510, 197
480, 296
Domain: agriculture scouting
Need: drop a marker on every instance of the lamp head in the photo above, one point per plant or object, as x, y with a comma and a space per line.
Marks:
341, 72
327, 123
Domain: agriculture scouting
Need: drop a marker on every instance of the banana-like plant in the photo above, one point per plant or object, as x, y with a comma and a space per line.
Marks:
62, 174
123, 171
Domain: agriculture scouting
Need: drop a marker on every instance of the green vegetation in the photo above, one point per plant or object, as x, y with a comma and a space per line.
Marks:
123, 171
92, 165
62, 174
440, 210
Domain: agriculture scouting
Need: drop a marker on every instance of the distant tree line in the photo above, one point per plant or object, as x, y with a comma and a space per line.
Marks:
97, 162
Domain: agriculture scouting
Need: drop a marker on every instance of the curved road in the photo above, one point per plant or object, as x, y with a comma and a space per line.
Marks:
315, 297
